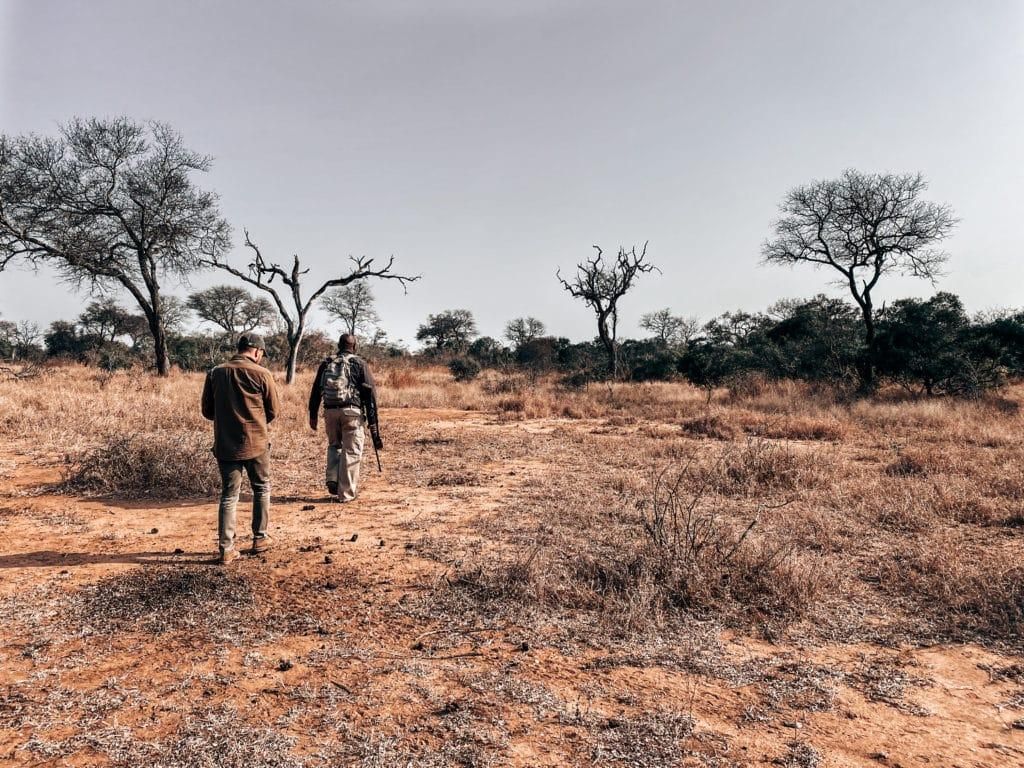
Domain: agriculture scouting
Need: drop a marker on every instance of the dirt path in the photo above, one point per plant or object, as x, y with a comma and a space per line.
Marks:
326, 642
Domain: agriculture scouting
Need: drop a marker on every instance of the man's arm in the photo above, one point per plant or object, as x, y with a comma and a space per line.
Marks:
315, 395
207, 401
271, 400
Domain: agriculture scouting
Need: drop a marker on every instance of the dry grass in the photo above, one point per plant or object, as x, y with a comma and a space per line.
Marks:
965, 590
163, 465
673, 554
608, 526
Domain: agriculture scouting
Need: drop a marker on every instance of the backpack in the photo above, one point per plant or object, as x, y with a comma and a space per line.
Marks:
336, 382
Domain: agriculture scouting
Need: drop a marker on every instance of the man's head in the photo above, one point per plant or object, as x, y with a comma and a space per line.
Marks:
252, 345
347, 343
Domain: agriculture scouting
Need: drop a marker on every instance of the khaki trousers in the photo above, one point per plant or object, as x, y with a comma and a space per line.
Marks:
344, 449
258, 470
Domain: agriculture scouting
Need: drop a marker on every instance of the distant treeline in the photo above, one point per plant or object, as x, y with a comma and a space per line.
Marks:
928, 346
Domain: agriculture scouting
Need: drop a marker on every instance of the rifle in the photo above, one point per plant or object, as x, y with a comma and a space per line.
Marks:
366, 413
380, 469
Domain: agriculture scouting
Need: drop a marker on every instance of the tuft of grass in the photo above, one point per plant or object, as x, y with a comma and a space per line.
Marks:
907, 465
709, 425
761, 467
966, 591
159, 464
805, 428
454, 477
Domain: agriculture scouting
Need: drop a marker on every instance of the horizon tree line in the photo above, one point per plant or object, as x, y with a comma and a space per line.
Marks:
113, 204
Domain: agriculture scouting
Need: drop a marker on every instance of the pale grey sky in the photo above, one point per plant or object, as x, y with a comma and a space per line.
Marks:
485, 144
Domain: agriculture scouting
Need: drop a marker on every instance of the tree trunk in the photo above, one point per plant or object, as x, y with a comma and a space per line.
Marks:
156, 327
609, 347
866, 368
294, 340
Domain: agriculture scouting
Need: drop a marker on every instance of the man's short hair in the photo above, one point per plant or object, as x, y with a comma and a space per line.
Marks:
347, 342
251, 341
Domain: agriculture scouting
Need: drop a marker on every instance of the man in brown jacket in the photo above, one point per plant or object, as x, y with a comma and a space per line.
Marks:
240, 398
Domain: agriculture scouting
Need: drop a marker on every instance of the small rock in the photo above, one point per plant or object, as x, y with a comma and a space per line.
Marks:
792, 724
355, 537
179, 551
418, 645
308, 507
879, 755
155, 530
329, 585
524, 646
380, 543
284, 665
328, 559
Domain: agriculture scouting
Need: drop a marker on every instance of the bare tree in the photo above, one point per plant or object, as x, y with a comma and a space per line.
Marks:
294, 311
110, 202
600, 285
231, 308
863, 226
523, 330
176, 313
25, 339
353, 305
671, 330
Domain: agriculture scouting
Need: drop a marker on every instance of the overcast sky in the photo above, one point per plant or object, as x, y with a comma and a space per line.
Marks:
486, 144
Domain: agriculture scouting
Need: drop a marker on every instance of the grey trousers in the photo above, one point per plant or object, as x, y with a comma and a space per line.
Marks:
344, 449
258, 470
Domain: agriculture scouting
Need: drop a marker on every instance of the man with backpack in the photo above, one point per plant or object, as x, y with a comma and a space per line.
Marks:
346, 388
240, 398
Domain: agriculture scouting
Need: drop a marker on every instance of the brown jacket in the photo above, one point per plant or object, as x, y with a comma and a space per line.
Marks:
240, 398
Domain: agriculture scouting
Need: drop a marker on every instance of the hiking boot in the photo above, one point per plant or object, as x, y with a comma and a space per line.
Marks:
227, 556
332, 488
260, 544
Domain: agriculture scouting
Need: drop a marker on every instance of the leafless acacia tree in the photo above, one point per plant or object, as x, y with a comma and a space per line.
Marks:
671, 330
110, 202
600, 285
292, 307
26, 338
353, 305
863, 226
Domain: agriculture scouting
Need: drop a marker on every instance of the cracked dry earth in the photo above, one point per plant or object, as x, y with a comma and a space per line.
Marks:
350, 642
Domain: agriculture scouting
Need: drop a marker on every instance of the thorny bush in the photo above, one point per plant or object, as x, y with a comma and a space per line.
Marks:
161, 464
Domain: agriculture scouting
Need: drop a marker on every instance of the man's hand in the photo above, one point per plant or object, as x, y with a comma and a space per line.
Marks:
378, 443
312, 423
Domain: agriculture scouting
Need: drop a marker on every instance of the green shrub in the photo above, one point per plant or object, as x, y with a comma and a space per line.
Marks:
464, 368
